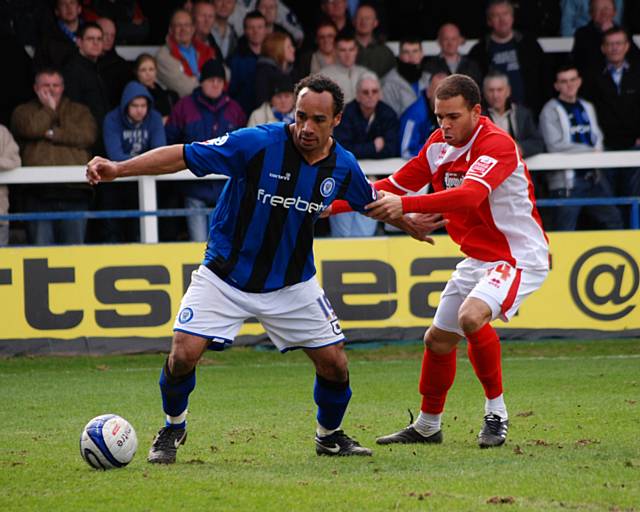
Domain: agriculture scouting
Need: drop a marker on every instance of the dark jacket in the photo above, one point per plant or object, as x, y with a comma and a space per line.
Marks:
116, 73
197, 118
243, 76
618, 114
355, 134
587, 53
124, 139
536, 77
523, 129
267, 71
83, 83
163, 99
54, 49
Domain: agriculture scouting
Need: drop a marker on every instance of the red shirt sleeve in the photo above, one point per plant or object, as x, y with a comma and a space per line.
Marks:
496, 158
468, 195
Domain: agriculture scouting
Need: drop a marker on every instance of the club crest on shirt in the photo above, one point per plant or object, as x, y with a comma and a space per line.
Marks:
481, 166
218, 141
185, 315
327, 186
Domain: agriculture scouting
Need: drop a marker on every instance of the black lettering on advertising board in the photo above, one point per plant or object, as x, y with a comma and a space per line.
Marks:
605, 290
419, 293
37, 278
159, 301
334, 286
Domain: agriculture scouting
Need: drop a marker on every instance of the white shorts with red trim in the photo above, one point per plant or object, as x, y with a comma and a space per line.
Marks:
297, 316
498, 284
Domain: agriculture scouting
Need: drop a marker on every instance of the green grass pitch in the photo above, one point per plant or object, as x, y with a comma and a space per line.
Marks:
574, 440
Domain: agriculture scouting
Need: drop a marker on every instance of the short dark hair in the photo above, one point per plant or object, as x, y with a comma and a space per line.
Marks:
567, 65
491, 3
47, 70
321, 83
409, 40
345, 35
83, 29
253, 15
459, 85
616, 29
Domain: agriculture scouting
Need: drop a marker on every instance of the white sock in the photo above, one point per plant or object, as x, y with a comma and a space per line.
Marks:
496, 406
176, 420
428, 424
323, 432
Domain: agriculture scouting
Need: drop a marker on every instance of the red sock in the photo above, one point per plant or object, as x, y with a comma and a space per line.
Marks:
483, 348
436, 378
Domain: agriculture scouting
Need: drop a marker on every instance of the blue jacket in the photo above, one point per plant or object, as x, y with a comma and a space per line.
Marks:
416, 124
197, 118
356, 135
124, 139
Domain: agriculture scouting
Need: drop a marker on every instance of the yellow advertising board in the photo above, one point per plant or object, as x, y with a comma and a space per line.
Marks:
135, 290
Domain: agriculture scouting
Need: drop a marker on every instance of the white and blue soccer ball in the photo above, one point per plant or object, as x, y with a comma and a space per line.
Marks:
108, 442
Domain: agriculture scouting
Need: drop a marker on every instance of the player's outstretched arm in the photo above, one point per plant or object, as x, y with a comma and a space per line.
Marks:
164, 160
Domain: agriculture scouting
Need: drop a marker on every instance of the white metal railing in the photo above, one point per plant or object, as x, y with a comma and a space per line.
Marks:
147, 190
548, 44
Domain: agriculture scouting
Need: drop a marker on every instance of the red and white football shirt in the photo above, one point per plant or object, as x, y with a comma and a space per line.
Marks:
503, 224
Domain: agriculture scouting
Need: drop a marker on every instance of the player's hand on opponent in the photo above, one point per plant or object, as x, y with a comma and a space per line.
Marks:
100, 169
386, 208
422, 224
325, 213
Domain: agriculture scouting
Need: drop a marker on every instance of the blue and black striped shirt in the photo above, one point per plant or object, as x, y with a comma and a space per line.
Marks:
261, 232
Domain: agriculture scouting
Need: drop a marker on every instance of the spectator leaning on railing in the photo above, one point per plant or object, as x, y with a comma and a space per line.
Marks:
53, 130
9, 159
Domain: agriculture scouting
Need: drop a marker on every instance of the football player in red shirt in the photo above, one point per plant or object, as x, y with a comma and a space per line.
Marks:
484, 190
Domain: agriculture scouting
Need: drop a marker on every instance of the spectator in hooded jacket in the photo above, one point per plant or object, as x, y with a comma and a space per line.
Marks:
208, 112
129, 130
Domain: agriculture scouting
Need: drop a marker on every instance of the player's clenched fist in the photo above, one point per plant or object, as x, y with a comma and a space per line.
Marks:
100, 169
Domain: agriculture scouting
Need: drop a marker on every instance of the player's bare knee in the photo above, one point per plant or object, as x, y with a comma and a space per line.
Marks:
436, 342
184, 355
473, 315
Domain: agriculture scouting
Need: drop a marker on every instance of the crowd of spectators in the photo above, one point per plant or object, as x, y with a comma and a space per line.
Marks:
224, 64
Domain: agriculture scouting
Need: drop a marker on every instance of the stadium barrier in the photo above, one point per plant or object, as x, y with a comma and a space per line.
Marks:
105, 299
147, 198
429, 48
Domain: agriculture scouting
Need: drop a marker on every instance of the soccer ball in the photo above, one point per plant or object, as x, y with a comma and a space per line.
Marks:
107, 442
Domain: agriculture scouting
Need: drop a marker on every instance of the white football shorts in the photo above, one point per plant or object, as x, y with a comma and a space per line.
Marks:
298, 316
498, 284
